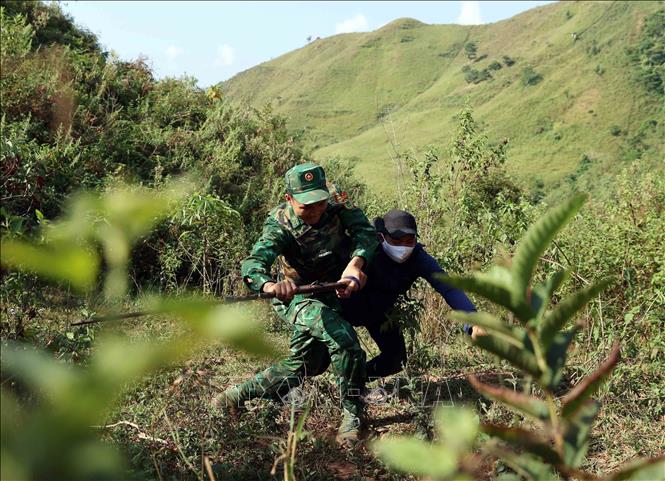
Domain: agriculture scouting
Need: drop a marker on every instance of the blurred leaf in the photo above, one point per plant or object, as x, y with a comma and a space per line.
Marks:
575, 399
118, 362
457, 427
524, 464
493, 325
59, 262
234, 324
520, 358
576, 433
134, 211
523, 439
413, 456
538, 238
556, 358
36, 368
566, 309
642, 470
490, 288
541, 294
508, 477
530, 406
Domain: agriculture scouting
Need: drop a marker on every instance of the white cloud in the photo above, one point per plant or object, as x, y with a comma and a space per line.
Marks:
174, 52
354, 24
226, 55
469, 13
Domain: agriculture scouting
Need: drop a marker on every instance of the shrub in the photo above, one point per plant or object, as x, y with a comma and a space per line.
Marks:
471, 50
535, 341
509, 62
648, 57
494, 66
476, 76
615, 130
530, 77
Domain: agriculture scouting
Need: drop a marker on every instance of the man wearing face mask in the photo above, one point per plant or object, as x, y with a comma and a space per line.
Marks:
398, 262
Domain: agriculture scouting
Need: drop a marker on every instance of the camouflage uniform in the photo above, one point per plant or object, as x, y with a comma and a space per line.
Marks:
310, 254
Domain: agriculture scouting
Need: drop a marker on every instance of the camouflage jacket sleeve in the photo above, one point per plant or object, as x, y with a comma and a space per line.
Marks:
362, 233
255, 269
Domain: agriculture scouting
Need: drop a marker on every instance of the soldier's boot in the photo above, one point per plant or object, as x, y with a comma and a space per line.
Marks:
349, 431
229, 402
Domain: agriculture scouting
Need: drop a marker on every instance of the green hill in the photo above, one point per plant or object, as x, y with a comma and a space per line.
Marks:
568, 104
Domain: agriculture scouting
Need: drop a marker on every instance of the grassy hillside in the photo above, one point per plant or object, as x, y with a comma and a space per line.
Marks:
357, 95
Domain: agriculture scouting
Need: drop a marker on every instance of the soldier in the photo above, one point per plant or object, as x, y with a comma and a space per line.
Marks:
319, 239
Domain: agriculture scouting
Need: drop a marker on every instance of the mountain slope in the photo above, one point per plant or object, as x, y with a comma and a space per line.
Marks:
356, 94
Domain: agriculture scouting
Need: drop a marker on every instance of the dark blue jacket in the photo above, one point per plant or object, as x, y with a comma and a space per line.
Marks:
387, 279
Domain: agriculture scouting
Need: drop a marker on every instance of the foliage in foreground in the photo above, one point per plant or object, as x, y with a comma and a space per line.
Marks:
536, 342
50, 408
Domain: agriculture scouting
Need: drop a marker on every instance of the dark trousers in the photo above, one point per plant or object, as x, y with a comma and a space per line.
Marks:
388, 337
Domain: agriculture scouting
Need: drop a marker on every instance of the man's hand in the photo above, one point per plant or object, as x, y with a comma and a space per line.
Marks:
353, 277
477, 331
283, 290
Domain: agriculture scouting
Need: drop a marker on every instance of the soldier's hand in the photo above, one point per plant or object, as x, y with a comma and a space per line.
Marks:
283, 290
477, 331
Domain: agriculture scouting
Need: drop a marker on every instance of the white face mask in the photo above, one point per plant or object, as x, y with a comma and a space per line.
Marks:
397, 253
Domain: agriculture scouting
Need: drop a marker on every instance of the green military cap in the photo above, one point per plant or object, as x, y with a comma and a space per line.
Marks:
306, 183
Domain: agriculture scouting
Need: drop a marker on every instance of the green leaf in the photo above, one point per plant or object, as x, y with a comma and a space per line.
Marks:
491, 288
523, 439
643, 470
236, 327
118, 362
542, 293
527, 405
556, 358
413, 456
586, 388
39, 370
576, 433
59, 262
523, 359
493, 325
457, 427
566, 309
234, 324
537, 240
525, 465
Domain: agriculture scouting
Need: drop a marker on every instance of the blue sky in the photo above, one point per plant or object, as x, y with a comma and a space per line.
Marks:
213, 41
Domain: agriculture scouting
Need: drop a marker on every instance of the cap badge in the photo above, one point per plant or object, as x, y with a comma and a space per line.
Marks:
309, 176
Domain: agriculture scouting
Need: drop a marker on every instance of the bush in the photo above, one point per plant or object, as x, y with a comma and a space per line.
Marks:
530, 77
471, 50
648, 57
509, 62
615, 130
476, 76
494, 66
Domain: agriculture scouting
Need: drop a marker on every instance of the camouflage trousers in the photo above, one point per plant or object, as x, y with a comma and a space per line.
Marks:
320, 335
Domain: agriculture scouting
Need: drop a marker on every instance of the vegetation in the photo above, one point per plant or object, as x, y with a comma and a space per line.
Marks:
649, 54
145, 237
530, 76
426, 89
471, 50
536, 344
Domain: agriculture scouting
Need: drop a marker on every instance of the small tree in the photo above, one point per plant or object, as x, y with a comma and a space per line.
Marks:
536, 344
509, 62
530, 76
471, 50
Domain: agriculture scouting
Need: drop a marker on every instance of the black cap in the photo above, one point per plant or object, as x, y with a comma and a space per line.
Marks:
397, 224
